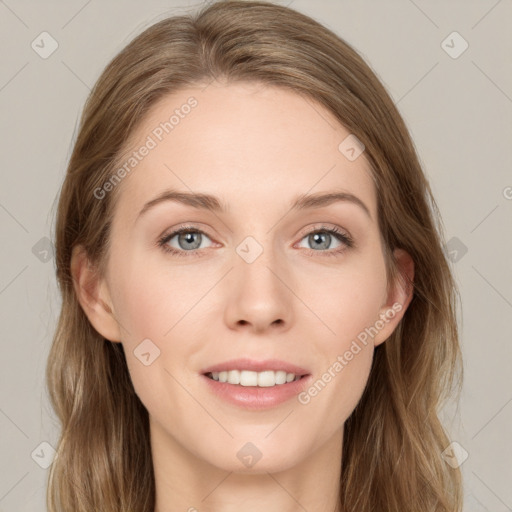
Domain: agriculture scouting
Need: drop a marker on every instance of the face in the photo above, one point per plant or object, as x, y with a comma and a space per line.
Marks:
259, 274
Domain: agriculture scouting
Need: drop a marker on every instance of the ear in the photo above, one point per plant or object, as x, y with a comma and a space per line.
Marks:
398, 299
93, 294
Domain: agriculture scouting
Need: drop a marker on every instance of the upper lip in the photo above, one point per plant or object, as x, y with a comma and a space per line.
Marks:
256, 366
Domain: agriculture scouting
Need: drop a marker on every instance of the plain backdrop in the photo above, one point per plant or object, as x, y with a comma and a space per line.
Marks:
447, 65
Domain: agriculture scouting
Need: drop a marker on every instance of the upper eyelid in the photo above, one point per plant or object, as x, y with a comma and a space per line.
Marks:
178, 230
186, 227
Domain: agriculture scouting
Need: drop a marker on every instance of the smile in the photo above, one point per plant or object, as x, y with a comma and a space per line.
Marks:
267, 378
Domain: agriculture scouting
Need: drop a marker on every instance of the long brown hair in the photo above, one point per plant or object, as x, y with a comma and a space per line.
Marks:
394, 439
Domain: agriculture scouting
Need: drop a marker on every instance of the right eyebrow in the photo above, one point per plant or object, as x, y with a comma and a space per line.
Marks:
196, 200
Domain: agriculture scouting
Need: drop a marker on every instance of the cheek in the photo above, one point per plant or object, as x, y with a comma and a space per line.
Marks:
151, 298
150, 306
344, 358
349, 300
338, 385
162, 304
349, 304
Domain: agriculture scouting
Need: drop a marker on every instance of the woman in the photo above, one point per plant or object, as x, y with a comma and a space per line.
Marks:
257, 310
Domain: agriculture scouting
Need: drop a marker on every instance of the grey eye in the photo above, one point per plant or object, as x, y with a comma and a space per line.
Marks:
188, 240
320, 240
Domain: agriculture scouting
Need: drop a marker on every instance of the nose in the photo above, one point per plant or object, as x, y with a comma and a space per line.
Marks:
259, 296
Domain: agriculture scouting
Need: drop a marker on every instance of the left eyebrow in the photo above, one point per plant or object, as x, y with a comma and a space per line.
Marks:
325, 199
214, 204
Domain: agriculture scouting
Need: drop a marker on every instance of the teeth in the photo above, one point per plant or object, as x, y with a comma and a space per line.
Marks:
264, 379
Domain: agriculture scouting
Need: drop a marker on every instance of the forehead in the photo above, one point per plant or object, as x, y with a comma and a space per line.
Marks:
246, 143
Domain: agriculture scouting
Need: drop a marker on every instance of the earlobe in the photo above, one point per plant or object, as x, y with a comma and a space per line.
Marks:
93, 294
399, 297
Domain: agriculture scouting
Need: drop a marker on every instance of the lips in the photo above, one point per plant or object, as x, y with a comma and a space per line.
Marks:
256, 366
255, 398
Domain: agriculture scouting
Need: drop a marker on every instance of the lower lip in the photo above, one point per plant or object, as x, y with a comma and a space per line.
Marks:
255, 397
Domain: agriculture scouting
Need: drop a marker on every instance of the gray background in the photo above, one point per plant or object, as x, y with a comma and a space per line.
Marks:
457, 109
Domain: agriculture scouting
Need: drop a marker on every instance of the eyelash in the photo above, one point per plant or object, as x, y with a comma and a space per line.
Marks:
342, 237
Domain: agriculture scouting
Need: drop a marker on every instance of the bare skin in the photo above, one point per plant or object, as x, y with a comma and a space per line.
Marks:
303, 299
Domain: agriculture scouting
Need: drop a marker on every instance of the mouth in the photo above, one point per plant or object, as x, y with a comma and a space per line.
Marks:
248, 378
256, 390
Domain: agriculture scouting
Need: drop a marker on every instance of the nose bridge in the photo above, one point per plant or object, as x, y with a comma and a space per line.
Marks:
257, 293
